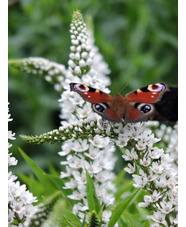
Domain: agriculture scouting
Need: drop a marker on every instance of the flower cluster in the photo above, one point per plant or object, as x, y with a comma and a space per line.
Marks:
51, 71
154, 170
94, 154
20, 208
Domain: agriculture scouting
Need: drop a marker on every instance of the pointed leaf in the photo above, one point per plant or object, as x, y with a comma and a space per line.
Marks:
71, 218
40, 174
120, 208
93, 202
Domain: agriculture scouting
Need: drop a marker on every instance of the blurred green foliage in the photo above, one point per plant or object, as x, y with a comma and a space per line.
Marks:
138, 39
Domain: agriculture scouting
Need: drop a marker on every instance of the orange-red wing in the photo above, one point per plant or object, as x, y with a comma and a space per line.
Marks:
90, 94
146, 97
148, 94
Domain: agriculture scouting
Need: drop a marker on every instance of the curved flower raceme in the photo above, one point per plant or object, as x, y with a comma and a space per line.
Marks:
95, 154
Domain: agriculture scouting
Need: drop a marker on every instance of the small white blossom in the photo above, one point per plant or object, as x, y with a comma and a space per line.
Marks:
145, 203
71, 184
145, 161
161, 181
130, 169
76, 195
157, 167
158, 217
166, 207
156, 153
80, 145
130, 155
99, 141
171, 183
155, 196
106, 216
140, 182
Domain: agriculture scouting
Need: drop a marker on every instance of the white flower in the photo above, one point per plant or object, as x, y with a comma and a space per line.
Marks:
11, 135
141, 145
80, 145
155, 196
80, 177
166, 207
27, 198
99, 141
11, 160
146, 202
15, 189
145, 161
106, 161
66, 148
67, 173
76, 195
158, 217
151, 176
76, 99
156, 153
140, 182
92, 168
30, 210
10, 216
17, 207
106, 216
157, 168
104, 176
78, 207
130, 155
172, 183
130, 169
70, 184
122, 140
85, 111
84, 55
161, 181
93, 152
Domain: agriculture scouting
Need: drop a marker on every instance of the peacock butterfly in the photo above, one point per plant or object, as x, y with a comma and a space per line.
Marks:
153, 102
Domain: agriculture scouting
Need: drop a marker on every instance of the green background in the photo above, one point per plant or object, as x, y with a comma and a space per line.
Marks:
137, 38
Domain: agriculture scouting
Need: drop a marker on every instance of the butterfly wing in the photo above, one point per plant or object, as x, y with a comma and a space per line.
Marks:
148, 94
102, 103
143, 103
152, 102
90, 94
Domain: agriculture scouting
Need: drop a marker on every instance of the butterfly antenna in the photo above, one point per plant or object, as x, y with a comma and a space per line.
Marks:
124, 87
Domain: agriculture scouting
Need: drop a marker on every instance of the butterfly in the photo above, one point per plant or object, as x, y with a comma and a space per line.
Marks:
153, 102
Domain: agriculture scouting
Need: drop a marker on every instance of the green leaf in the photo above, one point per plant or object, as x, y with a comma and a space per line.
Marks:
147, 223
71, 218
93, 202
100, 212
120, 208
126, 186
119, 177
40, 174
83, 223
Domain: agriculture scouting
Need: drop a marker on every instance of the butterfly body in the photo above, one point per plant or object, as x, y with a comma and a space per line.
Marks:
139, 105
